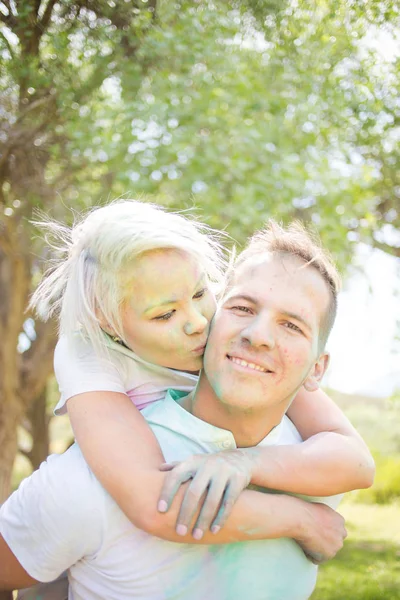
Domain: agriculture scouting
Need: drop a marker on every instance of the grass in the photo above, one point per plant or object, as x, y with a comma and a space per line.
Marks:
368, 567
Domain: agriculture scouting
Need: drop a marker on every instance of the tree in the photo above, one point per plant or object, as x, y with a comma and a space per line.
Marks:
246, 109
62, 60
57, 56
294, 115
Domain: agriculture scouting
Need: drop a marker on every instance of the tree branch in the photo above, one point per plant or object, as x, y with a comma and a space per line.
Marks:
43, 23
6, 244
153, 5
393, 250
37, 362
26, 453
7, 4
9, 19
7, 43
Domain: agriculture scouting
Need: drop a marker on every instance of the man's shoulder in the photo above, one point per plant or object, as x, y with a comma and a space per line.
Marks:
55, 517
70, 469
285, 433
289, 432
65, 483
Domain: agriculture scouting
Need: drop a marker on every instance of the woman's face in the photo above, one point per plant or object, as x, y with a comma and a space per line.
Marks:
168, 310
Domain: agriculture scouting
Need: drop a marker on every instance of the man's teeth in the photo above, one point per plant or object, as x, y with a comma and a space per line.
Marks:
249, 365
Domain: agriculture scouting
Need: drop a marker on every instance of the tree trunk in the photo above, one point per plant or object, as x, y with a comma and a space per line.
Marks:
23, 376
10, 415
13, 290
39, 430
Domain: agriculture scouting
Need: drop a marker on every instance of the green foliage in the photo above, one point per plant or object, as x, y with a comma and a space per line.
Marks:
395, 397
377, 420
246, 110
386, 487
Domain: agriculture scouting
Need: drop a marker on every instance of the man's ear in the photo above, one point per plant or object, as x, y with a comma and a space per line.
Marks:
311, 384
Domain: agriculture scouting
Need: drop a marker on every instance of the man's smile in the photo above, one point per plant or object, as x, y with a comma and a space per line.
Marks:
247, 364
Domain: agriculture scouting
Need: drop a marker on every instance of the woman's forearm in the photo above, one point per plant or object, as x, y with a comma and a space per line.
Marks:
123, 453
332, 459
326, 464
254, 516
317, 529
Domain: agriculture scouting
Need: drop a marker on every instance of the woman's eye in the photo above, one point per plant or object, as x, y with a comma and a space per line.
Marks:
200, 293
164, 317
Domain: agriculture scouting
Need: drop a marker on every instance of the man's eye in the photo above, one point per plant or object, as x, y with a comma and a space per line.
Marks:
200, 293
292, 326
244, 309
165, 317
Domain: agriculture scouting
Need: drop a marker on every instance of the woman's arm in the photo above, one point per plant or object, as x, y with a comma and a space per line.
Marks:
123, 453
333, 458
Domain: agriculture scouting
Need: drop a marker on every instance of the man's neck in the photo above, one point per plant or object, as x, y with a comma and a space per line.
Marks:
249, 428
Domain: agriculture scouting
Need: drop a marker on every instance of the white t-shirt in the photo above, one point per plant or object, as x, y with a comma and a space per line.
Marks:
78, 369
61, 516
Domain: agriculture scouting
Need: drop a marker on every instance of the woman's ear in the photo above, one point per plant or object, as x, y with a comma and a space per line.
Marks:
104, 324
311, 384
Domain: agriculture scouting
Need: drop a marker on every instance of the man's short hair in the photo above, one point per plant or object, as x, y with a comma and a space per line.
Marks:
295, 240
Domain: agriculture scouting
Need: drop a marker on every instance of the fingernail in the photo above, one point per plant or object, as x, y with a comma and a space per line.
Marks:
181, 530
162, 506
215, 528
198, 533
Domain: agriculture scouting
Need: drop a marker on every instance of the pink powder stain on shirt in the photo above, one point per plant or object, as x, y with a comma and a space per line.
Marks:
141, 399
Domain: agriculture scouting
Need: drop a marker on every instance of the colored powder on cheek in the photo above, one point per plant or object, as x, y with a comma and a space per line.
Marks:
217, 386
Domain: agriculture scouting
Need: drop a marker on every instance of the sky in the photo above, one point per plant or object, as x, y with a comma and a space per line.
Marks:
362, 343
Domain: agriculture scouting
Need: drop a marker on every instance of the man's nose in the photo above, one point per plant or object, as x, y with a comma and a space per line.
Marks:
260, 332
196, 323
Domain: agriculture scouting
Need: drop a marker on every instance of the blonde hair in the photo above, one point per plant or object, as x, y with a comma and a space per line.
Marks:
296, 240
87, 278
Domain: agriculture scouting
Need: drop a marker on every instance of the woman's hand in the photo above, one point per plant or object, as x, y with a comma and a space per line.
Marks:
322, 533
217, 481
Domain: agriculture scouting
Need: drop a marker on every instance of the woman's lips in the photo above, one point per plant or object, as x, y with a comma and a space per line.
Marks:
199, 349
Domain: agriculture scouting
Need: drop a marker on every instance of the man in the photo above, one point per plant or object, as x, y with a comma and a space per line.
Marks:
267, 340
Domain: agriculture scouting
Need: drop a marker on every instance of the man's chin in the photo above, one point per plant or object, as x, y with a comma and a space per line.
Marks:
241, 395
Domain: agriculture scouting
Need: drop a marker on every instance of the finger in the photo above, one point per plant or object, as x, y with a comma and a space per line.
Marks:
192, 500
172, 483
169, 466
210, 508
316, 558
231, 494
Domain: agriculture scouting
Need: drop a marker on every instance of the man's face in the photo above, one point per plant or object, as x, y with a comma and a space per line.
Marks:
263, 344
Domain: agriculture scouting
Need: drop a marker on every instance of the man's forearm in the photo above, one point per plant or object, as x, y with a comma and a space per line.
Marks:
326, 464
12, 574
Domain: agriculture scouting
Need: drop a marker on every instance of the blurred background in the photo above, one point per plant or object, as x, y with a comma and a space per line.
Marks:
242, 111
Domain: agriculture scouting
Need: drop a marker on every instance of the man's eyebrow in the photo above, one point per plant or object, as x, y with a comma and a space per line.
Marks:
244, 297
297, 317
172, 300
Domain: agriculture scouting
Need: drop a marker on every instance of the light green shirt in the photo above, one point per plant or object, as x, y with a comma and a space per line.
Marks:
259, 570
